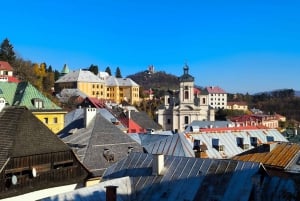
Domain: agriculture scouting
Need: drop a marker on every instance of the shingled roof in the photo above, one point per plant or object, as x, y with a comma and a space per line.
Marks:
100, 144
22, 134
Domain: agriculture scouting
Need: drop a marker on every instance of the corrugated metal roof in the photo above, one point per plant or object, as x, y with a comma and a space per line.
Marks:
186, 178
229, 140
279, 155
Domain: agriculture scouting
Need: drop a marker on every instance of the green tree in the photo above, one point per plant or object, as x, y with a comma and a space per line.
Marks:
56, 75
94, 69
108, 70
118, 73
7, 52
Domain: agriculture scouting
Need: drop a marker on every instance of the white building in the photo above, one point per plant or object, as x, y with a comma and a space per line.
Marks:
182, 107
217, 97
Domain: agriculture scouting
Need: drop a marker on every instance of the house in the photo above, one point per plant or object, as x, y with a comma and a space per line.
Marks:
225, 143
6, 73
25, 94
100, 86
32, 158
234, 105
269, 121
144, 121
97, 142
84, 80
182, 106
217, 97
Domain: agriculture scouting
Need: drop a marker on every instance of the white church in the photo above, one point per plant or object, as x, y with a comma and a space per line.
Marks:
182, 107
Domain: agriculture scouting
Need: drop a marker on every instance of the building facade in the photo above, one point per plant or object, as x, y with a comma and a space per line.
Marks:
182, 107
102, 86
217, 97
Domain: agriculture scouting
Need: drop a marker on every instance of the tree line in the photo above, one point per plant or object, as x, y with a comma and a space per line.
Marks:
41, 75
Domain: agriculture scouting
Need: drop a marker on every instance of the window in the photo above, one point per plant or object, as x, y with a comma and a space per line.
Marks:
186, 87
270, 138
169, 121
186, 95
186, 119
55, 120
203, 101
46, 120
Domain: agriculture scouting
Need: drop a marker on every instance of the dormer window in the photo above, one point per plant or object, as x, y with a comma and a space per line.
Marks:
37, 103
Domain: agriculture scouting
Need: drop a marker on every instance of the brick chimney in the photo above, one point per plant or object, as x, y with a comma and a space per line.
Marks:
111, 193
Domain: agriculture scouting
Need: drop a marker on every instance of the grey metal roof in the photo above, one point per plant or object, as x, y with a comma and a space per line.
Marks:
96, 143
208, 124
145, 139
80, 76
185, 178
228, 138
96, 192
66, 94
124, 82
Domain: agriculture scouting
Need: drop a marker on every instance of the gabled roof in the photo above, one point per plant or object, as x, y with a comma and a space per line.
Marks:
241, 103
5, 66
230, 138
23, 94
143, 120
22, 134
215, 90
99, 140
175, 145
122, 82
277, 155
65, 94
80, 76
185, 178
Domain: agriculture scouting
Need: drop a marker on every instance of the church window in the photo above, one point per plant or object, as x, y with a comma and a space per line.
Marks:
186, 95
186, 119
203, 101
169, 121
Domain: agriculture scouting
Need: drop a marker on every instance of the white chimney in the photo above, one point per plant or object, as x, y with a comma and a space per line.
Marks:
89, 115
158, 164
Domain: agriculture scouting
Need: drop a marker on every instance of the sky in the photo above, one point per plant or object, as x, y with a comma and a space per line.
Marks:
244, 46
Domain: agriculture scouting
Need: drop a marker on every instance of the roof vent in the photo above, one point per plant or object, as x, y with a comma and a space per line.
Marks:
158, 164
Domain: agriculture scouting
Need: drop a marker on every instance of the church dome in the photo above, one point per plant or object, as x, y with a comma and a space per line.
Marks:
186, 77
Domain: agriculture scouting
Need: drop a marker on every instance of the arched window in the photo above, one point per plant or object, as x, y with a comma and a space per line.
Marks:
203, 101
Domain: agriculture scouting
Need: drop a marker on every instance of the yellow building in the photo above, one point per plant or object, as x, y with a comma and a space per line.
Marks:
53, 119
102, 86
26, 95
237, 106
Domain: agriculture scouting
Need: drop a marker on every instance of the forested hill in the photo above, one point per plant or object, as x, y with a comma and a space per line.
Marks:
158, 80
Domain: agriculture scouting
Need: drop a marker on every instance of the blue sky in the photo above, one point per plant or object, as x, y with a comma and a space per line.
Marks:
241, 46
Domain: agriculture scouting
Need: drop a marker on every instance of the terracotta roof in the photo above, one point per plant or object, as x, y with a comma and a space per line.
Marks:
215, 90
5, 66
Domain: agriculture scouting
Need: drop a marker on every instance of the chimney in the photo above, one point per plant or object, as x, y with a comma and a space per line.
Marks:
89, 115
158, 164
128, 114
111, 193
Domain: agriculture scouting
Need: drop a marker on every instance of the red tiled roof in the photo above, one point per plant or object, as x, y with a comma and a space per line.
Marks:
5, 66
13, 79
215, 90
197, 91
232, 128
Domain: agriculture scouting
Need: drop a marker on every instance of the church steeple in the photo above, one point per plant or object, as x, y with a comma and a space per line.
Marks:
186, 77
